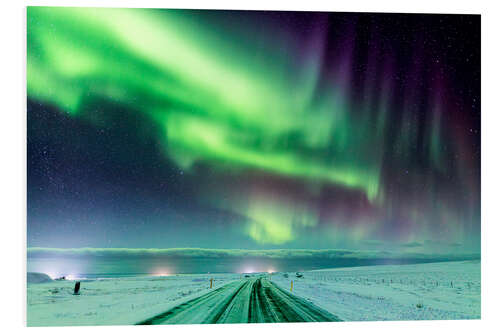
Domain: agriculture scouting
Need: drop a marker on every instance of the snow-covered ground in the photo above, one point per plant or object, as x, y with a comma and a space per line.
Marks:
114, 301
450, 290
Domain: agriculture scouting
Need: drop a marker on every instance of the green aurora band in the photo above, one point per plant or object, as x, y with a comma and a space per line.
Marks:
235, 111
217, 101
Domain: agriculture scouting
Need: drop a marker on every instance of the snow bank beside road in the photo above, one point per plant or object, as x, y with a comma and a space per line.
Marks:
116, 301
448, 290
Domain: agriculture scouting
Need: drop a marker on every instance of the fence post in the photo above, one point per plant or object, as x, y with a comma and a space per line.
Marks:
77, 288
211, 280
291, 285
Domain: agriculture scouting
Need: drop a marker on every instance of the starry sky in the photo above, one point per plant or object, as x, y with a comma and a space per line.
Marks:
151, 128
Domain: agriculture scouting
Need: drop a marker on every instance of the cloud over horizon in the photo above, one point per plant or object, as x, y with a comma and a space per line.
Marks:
240, 253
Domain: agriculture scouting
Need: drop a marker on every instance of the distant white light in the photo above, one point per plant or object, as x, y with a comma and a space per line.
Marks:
53, 275
248, 270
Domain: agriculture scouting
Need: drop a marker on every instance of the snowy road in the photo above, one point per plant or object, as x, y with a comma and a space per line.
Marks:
254, 300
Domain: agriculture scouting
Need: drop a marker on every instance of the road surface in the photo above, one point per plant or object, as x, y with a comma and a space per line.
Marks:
253, 300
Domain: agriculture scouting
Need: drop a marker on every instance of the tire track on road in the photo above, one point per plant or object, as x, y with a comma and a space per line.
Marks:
250, 301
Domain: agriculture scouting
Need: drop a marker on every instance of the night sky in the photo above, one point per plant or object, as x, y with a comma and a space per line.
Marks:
253, 130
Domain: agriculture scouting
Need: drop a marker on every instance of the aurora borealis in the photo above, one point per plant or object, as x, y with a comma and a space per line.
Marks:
152, 128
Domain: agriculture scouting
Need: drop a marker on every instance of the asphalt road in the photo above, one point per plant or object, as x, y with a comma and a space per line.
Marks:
253, 300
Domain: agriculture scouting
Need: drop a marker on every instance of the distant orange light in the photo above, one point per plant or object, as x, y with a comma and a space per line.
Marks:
161, 273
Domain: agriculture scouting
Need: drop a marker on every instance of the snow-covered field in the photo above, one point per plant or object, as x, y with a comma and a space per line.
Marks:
114, 301
449, 290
